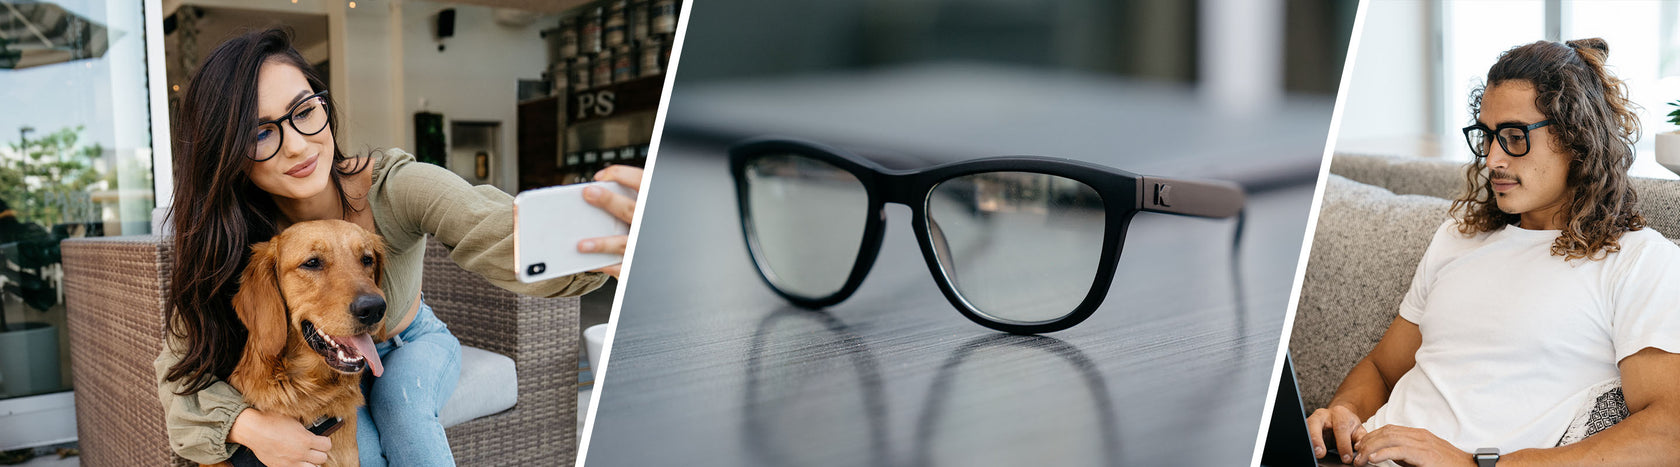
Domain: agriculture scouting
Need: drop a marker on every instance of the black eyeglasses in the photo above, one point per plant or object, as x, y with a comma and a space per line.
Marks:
1513, 137
308, 117
1019, 244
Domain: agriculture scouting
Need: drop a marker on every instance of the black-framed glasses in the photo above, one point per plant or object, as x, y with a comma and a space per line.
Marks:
1513, 137
1020, 244
308, 117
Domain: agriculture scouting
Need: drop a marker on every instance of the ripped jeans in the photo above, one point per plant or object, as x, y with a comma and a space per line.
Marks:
399, 425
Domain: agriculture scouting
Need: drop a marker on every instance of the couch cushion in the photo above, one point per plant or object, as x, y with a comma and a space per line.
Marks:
1403, 175
1365, 250
1659, 200
489, 384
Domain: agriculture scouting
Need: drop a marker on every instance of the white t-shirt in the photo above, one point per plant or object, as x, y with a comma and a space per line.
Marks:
1514, 338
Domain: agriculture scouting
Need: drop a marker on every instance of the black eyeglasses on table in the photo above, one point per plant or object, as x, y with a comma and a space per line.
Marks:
1020, 244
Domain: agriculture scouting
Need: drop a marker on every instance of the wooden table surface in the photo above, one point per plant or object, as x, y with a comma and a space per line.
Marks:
709, 367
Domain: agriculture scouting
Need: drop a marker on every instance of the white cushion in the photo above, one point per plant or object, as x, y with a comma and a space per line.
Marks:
489, 384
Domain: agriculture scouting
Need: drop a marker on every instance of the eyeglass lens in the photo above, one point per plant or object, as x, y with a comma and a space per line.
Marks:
1017, 246
1513, 140
807, 218
308, 117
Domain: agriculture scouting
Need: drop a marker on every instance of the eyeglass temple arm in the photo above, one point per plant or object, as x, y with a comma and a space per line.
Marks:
1202, 198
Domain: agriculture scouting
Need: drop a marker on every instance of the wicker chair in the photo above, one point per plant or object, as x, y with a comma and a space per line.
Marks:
115, 287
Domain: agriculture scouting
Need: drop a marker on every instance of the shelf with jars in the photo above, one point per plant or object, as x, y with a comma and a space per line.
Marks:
606, 67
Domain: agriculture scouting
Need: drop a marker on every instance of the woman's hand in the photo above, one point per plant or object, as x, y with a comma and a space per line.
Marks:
620, 206
278, 441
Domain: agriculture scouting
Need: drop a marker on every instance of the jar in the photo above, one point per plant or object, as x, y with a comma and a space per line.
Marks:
650, 53
624, 65
568, 38
664, 16
638, 20
591, 32
603, 64
615, 24
580, 74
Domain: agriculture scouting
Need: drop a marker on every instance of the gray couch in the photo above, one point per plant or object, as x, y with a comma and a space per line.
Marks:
1376, 221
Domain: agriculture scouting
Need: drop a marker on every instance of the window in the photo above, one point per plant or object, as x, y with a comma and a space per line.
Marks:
76, 161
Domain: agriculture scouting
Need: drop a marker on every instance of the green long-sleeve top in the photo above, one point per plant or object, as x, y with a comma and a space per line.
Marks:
409, 200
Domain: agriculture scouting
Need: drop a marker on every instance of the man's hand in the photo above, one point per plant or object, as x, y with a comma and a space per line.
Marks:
622, 207
1411, 447
1344, 425
278, 441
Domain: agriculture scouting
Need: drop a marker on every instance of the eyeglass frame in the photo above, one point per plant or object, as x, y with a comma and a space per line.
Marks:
1131, 193
1474, 151
288, 119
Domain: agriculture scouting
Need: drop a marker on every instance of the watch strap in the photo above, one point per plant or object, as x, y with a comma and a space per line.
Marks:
1486, 457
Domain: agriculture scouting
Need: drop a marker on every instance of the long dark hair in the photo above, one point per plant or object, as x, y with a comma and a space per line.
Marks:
214, 134
1593, 120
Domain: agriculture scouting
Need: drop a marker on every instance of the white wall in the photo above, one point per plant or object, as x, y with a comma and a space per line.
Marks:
1388, 97
475, 77
363, 72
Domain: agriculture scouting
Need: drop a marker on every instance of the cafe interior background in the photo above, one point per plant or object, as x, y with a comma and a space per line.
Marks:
517, 94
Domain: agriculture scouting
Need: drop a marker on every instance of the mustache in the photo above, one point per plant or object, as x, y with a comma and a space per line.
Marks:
1502, 174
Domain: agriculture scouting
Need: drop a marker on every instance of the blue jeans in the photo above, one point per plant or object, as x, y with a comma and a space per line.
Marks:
399, 425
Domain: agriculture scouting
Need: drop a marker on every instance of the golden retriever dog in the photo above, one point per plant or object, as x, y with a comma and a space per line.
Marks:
311, 302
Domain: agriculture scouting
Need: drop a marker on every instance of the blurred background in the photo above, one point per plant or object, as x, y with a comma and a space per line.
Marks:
1410, 88
1294, 46
709, 367
1233, 59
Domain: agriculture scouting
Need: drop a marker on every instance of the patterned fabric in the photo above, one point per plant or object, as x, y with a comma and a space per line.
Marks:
1608, 408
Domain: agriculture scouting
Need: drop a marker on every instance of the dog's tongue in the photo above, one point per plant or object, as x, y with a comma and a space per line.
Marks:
364, 346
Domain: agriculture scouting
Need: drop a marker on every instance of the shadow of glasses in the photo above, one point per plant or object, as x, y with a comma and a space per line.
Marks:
947, 437
815, 392
796, 410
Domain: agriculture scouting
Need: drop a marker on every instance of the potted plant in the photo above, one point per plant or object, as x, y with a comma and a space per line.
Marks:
1668, 143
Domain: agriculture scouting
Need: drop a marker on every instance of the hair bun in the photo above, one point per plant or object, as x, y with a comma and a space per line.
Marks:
1594, 43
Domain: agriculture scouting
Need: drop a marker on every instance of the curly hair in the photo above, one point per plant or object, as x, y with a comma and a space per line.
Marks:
1593, 121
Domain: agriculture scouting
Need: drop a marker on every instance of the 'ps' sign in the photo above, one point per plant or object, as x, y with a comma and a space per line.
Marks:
599, 103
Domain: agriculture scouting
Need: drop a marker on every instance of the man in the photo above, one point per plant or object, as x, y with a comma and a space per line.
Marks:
1544, 288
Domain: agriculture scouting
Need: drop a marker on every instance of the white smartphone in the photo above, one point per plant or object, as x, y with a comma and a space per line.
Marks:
549, 222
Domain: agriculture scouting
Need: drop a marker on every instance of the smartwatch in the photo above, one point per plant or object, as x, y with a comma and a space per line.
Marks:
1486, 457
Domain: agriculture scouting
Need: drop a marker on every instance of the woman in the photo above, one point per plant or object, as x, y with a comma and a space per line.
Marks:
256, 152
